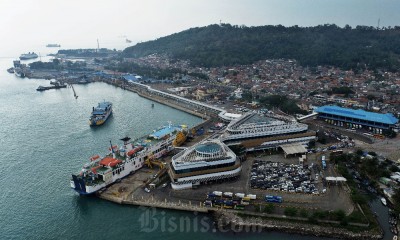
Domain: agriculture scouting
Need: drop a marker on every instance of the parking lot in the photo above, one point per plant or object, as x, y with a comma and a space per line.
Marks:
307, 180
279, 176
334, 140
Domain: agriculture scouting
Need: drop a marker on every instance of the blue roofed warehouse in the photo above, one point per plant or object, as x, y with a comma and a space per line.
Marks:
352, 118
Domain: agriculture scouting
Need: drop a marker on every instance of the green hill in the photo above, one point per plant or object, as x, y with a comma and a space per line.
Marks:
219, 45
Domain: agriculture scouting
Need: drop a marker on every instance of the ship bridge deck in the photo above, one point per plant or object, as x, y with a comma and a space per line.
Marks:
164, 131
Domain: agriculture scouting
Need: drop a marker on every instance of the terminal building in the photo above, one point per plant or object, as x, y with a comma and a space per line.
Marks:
357, 119
260, 132
203, 163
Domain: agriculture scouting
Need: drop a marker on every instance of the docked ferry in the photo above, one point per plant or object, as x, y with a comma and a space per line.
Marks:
100, 172
100, 113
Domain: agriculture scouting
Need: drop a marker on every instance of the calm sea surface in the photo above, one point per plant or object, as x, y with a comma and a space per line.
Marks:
45, 136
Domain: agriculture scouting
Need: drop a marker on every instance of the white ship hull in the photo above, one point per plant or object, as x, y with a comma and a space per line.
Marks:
129, 166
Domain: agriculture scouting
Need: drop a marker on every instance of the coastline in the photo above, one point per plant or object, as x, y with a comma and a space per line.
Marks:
228, 220
232, 219
237, 221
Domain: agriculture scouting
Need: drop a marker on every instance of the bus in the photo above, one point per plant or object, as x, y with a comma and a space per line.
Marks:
336, 152
273, 199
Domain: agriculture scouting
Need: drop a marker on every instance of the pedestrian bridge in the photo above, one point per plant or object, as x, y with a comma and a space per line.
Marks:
307, 116
190, 104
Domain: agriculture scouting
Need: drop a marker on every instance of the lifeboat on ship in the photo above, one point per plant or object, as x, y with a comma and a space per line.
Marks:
94, 158
109, 161
134, 151
94, 169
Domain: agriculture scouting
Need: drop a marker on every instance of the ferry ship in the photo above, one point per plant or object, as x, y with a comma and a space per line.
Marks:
203, 163
100, 172
100, 113
53, 45
27, 56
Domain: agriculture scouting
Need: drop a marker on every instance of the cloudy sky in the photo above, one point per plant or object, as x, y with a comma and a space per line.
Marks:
84, 21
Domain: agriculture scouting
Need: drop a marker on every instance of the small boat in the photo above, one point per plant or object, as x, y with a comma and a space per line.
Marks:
394, 237
100, 113
41, 88
383, 200
57, 86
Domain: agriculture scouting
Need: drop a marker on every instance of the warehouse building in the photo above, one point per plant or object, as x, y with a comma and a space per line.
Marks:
357, 119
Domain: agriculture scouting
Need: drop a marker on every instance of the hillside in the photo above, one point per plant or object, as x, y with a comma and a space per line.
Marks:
218, 45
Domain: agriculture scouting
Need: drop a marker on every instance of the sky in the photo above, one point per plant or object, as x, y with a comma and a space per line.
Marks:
82, 22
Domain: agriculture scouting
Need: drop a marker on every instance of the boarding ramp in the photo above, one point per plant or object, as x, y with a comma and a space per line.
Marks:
307, 116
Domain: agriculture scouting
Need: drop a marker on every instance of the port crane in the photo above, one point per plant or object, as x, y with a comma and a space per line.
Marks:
150, 162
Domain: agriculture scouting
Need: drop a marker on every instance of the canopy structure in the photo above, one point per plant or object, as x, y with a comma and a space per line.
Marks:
290, 149
336, 179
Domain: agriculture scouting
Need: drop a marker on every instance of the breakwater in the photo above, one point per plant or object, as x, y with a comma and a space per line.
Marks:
237, 221
234, 222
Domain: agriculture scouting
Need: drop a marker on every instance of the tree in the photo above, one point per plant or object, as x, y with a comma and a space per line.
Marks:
290, 211
394, 168
225, 45
269, 208
303, 213
247, 96
396, 200
359, 152
358, 198
339, 214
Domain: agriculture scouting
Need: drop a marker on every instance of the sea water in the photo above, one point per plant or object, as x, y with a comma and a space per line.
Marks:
45, 136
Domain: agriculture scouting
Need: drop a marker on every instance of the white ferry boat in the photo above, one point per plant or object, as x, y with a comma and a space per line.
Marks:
27, 56
100, 172
100, 113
